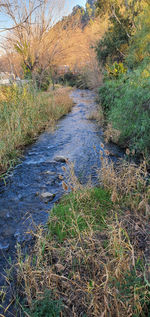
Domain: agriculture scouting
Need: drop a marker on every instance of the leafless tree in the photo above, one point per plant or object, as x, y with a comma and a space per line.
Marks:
35, 34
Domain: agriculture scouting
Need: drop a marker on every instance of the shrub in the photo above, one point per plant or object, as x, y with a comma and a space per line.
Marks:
115, 70
127, 103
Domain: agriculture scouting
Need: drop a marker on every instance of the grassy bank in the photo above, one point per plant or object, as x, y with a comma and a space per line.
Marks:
92, 259
24, 113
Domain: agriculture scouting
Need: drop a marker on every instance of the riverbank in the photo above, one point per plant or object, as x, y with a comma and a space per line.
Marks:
24, 113
92, 258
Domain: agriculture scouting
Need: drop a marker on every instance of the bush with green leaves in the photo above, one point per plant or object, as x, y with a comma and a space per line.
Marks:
115, 70
127, 103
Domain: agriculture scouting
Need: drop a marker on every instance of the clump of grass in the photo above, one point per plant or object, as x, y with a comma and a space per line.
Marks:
127, 182
62, 254
78, 212
127, 286
111, 134
24, 113
97, 115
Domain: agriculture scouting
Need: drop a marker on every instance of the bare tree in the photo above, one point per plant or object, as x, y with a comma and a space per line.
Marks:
31, 34
9, 8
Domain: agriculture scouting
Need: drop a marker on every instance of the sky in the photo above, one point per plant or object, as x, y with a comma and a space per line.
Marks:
73, 3
5, 22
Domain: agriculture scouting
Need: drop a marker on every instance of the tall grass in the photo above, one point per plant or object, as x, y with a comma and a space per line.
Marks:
24, 113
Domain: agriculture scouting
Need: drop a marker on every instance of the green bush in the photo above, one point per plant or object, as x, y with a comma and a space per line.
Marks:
127, 103
115, 70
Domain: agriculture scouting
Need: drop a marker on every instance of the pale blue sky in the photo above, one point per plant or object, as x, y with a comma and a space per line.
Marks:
73, 3
5, 21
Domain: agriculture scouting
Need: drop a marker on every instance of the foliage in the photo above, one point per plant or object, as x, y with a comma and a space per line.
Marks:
68, 78
43, 79
84, 15
131, 8
139, 49
125, 95
78, 80
123, 24
115, 70
113, 46
126, 101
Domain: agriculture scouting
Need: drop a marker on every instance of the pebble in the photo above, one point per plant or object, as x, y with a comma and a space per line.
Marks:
49, 173
61, 159
48, 196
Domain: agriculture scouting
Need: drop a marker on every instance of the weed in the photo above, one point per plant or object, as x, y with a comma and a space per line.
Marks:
46, 306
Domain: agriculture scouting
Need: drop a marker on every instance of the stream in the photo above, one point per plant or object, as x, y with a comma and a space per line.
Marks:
23, 199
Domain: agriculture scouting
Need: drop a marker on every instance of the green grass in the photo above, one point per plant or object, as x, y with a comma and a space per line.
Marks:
77, 212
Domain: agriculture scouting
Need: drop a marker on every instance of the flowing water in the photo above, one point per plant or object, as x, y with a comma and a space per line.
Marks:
21, 202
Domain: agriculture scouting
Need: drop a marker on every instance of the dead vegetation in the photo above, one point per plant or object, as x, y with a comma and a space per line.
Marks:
111, 134
97, 115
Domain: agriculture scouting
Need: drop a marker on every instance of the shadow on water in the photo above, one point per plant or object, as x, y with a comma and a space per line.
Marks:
21, 201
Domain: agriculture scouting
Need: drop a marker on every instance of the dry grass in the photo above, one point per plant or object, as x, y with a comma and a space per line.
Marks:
127, 182
89, 278
111, 134
24, 113
97, 115
70, 271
